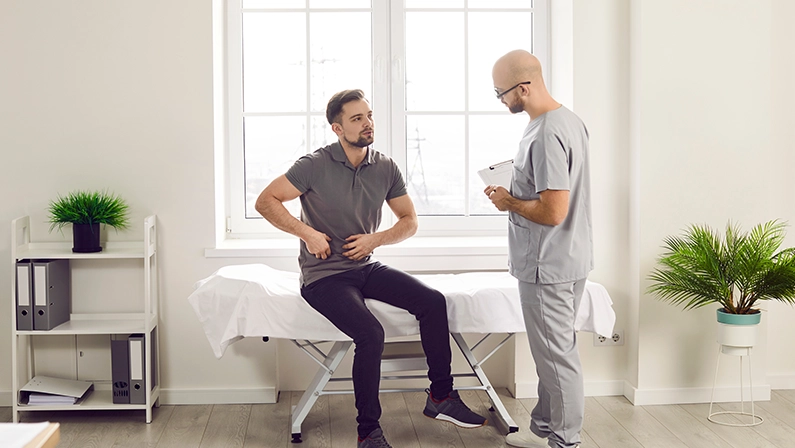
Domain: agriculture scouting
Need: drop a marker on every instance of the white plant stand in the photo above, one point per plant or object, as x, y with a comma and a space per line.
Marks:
736, 340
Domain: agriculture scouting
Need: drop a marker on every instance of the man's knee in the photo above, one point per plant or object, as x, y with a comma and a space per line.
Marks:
371, 341
435, 302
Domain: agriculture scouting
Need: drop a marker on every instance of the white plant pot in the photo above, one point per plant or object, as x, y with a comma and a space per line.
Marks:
736, 339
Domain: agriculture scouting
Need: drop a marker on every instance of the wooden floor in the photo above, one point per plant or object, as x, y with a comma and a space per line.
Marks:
610, 422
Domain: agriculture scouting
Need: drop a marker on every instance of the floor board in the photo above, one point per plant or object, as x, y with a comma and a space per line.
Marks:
649, 432
269, 424
610, 422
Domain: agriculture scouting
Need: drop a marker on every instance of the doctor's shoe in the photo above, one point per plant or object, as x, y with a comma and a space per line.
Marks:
375, 439
453, 410
525, 439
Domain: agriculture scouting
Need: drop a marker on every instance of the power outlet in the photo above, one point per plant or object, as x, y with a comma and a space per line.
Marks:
617, 339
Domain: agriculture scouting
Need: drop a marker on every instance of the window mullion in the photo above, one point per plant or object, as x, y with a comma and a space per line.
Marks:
394, 86
308, 83
466, 172
235, 156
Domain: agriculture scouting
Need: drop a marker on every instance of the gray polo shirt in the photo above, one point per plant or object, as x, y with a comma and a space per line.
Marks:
553, 155
340, 200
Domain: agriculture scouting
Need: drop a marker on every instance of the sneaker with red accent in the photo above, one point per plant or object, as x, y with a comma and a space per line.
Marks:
375, 439
453, 410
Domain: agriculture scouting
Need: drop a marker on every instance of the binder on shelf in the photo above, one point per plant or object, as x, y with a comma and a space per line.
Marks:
52, 293
24, 296
120, 369
45, 390
153, 358
137, 358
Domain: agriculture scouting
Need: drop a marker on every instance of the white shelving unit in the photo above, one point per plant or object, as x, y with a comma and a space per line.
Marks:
144, 320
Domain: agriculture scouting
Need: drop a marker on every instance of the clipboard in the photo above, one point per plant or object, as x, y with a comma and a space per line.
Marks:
498, 174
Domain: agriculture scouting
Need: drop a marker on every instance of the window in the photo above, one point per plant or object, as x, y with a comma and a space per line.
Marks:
425, 65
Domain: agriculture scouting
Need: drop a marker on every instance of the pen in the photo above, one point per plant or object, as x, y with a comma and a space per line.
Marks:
501, 164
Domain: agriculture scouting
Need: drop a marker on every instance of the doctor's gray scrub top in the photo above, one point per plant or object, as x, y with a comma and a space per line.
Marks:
553, 155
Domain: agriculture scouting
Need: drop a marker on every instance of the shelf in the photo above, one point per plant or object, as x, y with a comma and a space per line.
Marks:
100, 324
132, 249
97, 400
100, 320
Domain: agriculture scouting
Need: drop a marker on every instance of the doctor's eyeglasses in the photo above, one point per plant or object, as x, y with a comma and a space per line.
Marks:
502, 94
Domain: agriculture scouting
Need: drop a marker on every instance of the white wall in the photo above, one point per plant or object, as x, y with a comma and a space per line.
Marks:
781, 369
707, 155
118, 95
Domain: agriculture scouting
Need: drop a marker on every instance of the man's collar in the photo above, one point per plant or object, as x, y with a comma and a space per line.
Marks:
338, 154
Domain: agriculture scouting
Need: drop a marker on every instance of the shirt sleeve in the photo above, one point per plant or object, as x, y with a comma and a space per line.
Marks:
550, 161
300, 174
398, 187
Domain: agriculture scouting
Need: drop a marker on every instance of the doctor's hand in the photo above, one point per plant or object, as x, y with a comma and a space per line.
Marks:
499, 196
360, 246
317, 245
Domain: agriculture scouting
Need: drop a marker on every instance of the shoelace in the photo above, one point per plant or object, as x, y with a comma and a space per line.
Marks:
458, 403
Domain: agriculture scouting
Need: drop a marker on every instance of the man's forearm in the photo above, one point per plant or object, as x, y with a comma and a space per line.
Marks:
403, 229
276, 214
534, 210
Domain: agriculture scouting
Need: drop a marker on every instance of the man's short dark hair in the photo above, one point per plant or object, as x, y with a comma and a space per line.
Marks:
334, 108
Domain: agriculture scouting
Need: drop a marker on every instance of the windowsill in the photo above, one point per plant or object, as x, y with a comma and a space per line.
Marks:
417, 254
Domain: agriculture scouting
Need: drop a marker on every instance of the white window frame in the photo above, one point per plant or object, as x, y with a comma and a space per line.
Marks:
388, 85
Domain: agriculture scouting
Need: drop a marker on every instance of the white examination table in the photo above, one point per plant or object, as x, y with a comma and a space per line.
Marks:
255, 300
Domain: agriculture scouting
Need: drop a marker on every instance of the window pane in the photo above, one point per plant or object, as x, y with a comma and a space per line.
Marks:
491, 35
424, 4
341, 55
321, 133
434, 79
500, 4
274, 62
435, 164
274, 4
339, 3
492, 139
271, 145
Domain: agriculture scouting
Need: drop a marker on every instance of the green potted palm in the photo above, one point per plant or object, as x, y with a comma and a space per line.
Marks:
86, 210
734, 271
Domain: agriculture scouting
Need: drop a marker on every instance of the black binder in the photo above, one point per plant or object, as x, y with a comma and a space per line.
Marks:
52, 293
120, 369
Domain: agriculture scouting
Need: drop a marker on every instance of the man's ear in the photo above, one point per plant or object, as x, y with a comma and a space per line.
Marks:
336, 128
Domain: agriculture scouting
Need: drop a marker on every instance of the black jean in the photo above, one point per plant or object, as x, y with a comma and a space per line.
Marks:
340, 298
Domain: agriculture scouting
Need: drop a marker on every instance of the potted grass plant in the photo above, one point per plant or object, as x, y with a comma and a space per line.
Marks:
86, 210
734, 271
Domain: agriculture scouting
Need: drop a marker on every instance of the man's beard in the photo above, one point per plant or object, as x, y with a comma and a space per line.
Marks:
516, 107
363, 141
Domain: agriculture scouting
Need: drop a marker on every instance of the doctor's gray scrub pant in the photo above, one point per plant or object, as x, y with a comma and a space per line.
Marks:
549, 312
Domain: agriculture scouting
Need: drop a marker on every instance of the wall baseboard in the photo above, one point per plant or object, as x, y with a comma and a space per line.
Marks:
690, 395
781, 381
592, 389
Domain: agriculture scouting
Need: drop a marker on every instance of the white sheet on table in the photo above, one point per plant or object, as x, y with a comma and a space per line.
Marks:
253, 300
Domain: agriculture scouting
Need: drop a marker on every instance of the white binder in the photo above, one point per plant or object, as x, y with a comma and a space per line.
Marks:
24, 297
57, 387
137, 354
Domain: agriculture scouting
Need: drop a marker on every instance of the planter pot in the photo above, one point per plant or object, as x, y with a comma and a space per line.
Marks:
85, 238
737, 332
